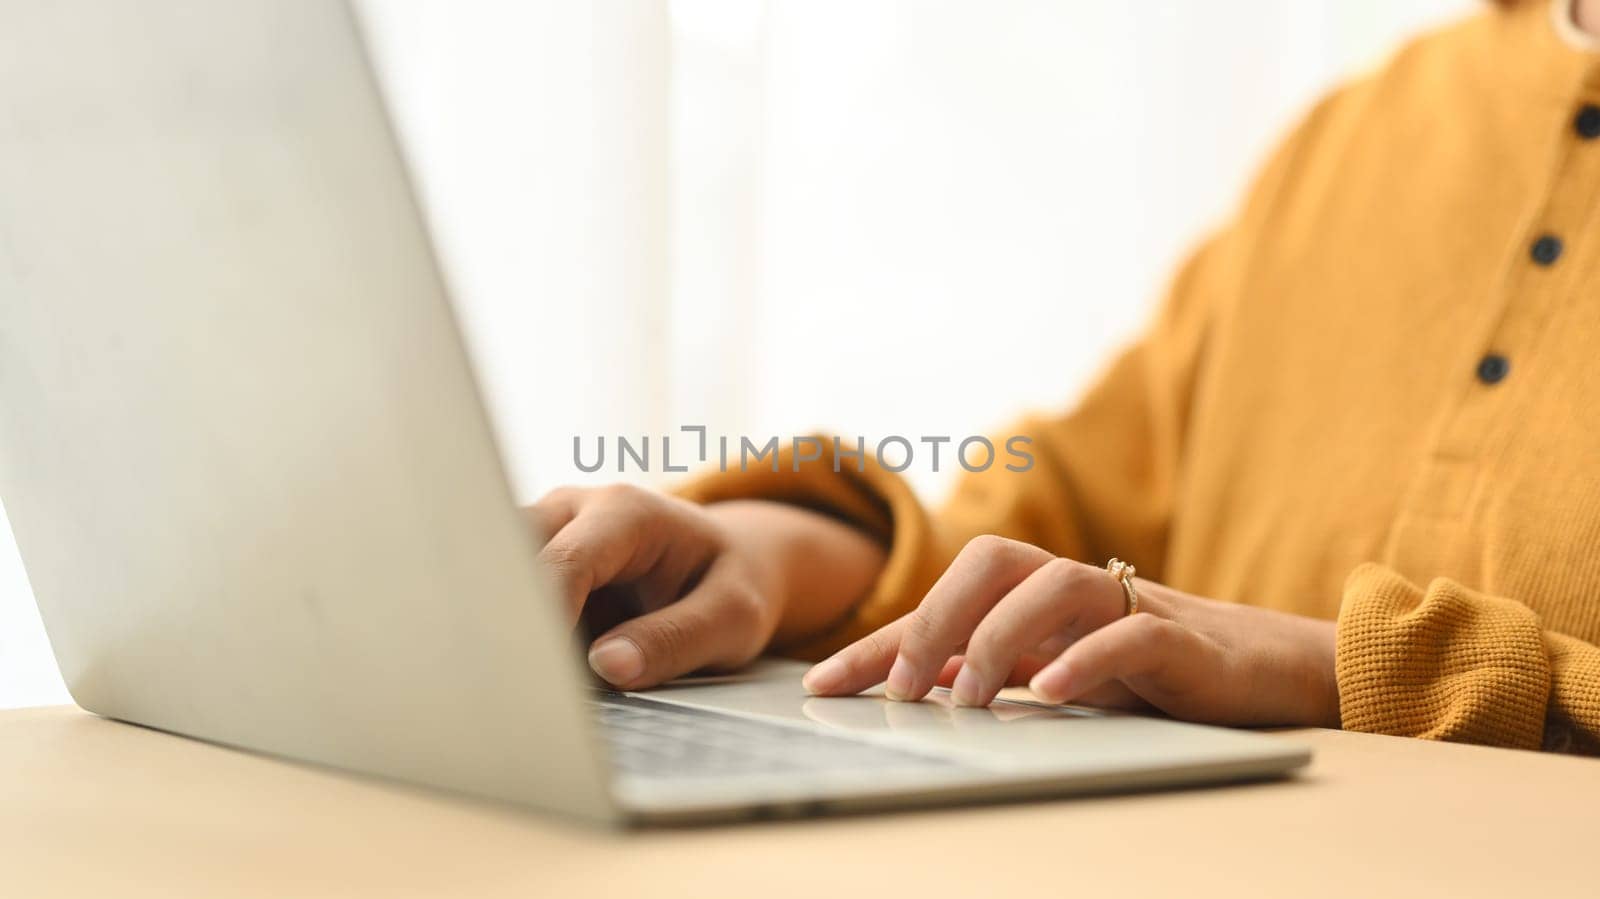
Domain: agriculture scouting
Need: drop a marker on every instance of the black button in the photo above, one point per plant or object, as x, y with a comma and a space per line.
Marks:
1587, 124
1546, 249
1493, 368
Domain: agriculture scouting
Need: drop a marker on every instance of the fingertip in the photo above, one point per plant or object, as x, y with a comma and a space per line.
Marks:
618, 660
1052, 684
968, 688
901, 685
825, 678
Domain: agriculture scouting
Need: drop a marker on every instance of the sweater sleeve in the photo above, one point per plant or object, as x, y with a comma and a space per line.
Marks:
1449, 663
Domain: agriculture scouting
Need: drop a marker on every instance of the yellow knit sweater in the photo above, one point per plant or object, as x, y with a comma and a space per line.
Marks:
1374, 395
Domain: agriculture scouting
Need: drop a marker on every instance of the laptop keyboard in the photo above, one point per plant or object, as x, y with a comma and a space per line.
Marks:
659, 739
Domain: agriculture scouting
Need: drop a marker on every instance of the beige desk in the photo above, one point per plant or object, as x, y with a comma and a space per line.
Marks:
92, 807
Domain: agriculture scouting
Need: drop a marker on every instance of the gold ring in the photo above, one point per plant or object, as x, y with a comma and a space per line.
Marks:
1124, 572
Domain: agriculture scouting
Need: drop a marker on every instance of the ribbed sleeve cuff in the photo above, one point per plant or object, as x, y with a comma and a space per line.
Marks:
856, 490
1444, 663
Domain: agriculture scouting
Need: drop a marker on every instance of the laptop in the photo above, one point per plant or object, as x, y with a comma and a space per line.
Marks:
259, 500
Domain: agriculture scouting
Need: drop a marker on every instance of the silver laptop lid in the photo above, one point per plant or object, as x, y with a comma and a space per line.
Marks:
240, 445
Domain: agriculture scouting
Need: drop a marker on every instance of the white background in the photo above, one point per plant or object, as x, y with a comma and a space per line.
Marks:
769, 217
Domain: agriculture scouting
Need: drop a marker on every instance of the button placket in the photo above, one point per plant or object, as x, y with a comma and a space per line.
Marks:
1535, 287
1456, 476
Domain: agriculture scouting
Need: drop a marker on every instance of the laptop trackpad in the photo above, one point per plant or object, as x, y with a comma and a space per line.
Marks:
771, 688
1017, 736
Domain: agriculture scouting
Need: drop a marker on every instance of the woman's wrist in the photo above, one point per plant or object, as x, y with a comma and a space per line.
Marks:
1322, 647
812, 569
1293, 660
